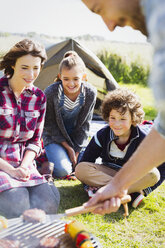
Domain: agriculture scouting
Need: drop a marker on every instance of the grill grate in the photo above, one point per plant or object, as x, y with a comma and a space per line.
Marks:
29, 234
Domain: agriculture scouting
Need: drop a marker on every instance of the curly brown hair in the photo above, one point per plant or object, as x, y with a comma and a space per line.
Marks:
24, 47
123, 99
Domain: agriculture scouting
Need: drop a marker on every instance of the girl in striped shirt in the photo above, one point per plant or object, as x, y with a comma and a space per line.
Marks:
70, 105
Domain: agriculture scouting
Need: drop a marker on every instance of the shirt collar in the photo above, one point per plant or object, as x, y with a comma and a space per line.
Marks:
3, 82
134, 134
112, 135
30, 89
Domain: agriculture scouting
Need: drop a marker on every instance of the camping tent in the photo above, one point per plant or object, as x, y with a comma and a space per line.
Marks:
97, 73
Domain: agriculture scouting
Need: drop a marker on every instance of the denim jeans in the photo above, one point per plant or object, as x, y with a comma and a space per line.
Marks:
15, 201
58, 155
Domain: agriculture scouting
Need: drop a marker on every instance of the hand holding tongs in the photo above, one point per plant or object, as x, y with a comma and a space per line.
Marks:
82, 209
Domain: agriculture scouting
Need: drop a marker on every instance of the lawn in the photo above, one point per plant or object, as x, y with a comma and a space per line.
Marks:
144, 227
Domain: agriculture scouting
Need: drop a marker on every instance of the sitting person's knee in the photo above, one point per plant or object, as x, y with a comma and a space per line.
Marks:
55, 201
19, 209
46, 197
14, 202
154, 175
79, 170
61, 173
62, 170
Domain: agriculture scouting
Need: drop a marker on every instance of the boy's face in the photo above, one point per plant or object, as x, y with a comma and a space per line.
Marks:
120, 124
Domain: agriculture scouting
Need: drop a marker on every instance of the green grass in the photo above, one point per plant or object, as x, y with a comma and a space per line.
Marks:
145, 226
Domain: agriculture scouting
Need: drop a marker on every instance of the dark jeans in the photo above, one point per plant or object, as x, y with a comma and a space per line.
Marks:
14, 202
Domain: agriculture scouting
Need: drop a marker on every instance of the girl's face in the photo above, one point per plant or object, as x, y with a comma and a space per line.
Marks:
120, 124
26, 70
71, 80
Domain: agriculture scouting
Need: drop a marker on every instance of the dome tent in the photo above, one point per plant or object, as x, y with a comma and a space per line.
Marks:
97, 74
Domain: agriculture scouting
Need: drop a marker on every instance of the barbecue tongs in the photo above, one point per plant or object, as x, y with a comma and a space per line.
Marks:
83, 210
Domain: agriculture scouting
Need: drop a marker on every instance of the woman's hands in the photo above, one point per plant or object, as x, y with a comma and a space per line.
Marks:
73, 156
71, 153
20, 173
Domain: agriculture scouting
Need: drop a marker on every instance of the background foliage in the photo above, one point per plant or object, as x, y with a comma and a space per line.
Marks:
133, 72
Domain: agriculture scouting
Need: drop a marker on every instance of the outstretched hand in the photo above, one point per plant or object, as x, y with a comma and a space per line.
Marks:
109, 196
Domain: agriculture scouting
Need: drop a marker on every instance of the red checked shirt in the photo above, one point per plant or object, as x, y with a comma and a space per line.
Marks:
21, 126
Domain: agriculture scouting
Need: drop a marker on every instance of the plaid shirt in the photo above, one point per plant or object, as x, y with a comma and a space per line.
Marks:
21, 126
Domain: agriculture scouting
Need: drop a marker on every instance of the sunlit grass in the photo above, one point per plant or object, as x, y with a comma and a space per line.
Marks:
145, 226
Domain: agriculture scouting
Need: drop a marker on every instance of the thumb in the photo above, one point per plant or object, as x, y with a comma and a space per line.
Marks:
93, 201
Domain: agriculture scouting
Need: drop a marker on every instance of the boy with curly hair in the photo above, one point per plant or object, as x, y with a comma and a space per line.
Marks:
115, 143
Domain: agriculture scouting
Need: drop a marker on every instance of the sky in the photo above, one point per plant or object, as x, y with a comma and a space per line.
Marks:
59, 18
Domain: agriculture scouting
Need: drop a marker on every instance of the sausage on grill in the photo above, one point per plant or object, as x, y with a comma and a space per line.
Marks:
49, 242
6, 243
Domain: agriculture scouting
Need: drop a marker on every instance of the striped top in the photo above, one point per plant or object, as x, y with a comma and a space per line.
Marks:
68, 103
